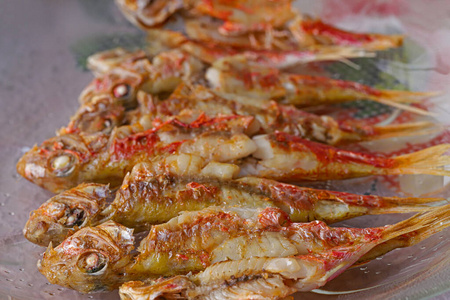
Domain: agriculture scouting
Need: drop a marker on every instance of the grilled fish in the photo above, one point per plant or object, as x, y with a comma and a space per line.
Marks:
67, 160
225, 237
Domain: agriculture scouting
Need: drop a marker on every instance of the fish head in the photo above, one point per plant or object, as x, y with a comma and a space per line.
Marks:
66, 213
55, 164
102, 114
91, 260
149, 13
121, 84
102, 62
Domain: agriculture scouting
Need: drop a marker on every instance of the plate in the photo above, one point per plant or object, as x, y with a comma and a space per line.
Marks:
43, 47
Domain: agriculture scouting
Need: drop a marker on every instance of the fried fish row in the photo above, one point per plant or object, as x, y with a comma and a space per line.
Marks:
158, 190
65, 161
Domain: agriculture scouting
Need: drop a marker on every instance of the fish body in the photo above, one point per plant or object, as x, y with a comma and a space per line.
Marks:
289, 158
240, 75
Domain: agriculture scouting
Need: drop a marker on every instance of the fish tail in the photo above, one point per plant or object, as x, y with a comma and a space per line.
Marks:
337, 53
427, 161
337, 206
420, 226
395, 205
401, 99
410, 232
406, 129
369, 133
406, 96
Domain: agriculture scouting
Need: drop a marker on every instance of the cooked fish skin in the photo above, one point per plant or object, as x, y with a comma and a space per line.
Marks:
65, 161
240, 75
147, 197
65, 213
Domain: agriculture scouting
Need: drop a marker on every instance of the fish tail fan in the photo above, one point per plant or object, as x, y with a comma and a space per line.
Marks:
421, 225
394, 205
406, 129
428, 161
410, 232
406, 96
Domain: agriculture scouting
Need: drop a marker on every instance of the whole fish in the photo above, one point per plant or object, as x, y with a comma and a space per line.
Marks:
228, 237
303, 33
268, 276
274, 116
154, 192
67, 160
252, 23
238, 75
209, 51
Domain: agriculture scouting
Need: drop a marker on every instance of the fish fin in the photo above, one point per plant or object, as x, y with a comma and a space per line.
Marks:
406, 96
406, 129
421, 225
427, 161
402, 106
410, 232
400, 99
357, 133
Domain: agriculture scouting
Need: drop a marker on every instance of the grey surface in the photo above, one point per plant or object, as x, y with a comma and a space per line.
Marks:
39, 85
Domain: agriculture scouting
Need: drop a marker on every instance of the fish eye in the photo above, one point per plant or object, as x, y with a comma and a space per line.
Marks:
122, 91
62, 164
92, 262
75, 217
107, 123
